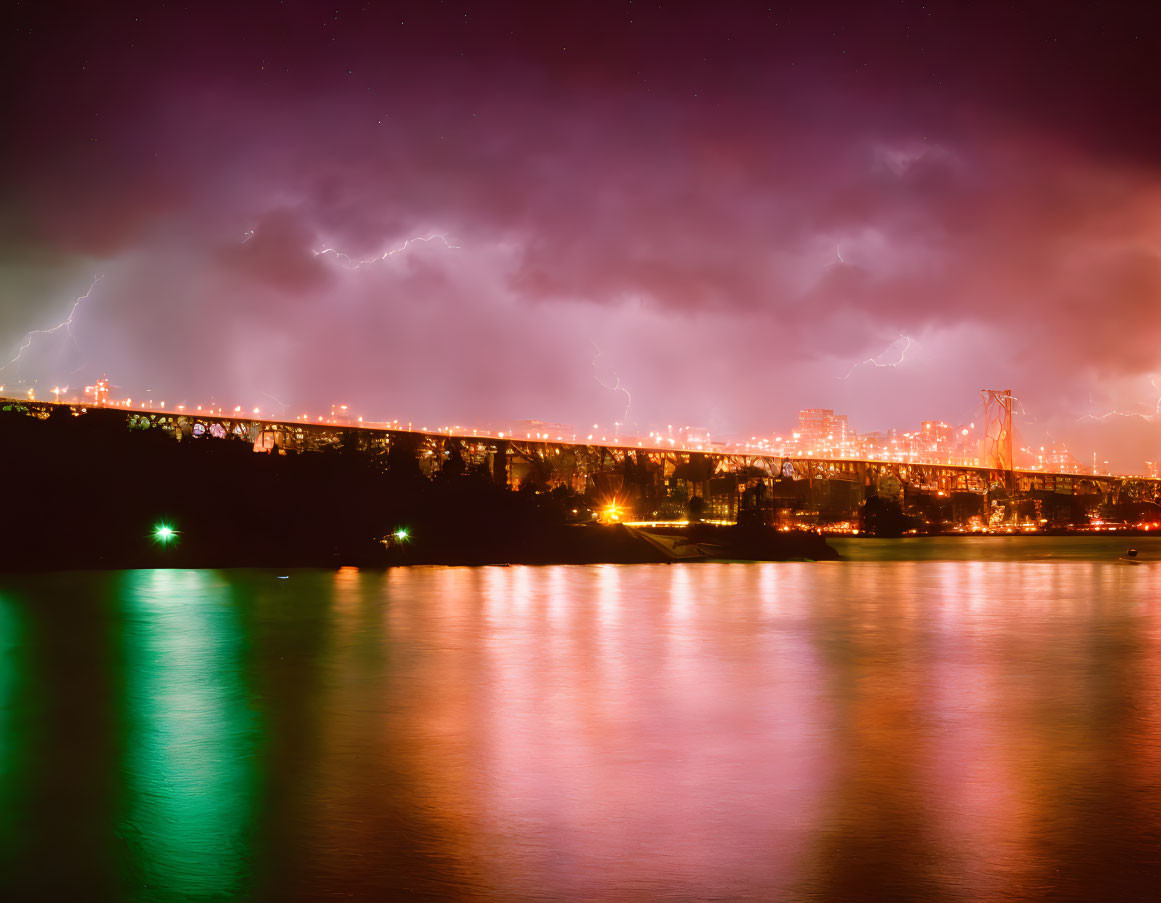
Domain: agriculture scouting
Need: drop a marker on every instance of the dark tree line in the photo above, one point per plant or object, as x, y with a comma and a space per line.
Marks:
87, 492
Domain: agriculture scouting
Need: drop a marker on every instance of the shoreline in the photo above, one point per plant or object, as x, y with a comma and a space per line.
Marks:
803, 548
559, 545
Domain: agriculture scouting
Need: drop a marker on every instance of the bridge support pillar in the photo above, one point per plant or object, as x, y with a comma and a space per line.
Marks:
500, 464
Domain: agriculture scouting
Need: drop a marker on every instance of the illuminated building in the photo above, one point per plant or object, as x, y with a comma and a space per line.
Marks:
822, 426
99, 391
935, 433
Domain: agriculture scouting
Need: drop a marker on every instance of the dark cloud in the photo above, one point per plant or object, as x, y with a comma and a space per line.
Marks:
280, 251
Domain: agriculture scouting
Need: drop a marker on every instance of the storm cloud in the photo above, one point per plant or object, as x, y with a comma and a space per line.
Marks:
733, 209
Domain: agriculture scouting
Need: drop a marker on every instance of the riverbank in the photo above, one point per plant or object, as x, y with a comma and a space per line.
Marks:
1037, 548
546, 545
618, 544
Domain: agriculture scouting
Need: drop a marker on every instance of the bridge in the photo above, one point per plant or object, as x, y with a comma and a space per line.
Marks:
639, 481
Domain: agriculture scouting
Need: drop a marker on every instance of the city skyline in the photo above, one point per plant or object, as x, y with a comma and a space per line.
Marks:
820, 433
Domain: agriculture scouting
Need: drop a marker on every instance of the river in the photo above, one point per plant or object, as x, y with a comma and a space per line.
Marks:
966, 719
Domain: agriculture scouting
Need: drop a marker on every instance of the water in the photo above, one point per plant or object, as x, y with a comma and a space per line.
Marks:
968, 730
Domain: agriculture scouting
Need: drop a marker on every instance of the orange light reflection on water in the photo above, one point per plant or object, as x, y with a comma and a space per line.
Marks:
937, 730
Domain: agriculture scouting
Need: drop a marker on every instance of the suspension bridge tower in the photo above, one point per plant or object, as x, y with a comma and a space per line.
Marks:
998, 430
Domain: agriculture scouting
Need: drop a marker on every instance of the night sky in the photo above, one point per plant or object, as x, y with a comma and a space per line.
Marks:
721, 208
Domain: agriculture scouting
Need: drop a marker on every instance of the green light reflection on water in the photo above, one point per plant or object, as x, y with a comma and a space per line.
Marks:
13, 734
190, 779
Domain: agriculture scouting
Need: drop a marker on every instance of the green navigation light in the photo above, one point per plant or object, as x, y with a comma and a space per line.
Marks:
402, 533
164, 534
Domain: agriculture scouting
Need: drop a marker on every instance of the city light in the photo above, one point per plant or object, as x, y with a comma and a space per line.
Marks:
821, 434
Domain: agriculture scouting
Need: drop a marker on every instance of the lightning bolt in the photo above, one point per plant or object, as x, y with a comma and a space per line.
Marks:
617, 387
1023, 412
282, 405
65, 324
1148, 418
351, 264
874, 361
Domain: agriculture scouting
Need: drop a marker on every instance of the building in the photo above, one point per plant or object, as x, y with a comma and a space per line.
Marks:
936, 433
100, 391
821, 428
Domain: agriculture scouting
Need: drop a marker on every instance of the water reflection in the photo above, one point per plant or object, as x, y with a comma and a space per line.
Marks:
15, 726
189, 771
575, 747
942, 730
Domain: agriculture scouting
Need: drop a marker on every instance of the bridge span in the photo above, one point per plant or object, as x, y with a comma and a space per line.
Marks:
636, 481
